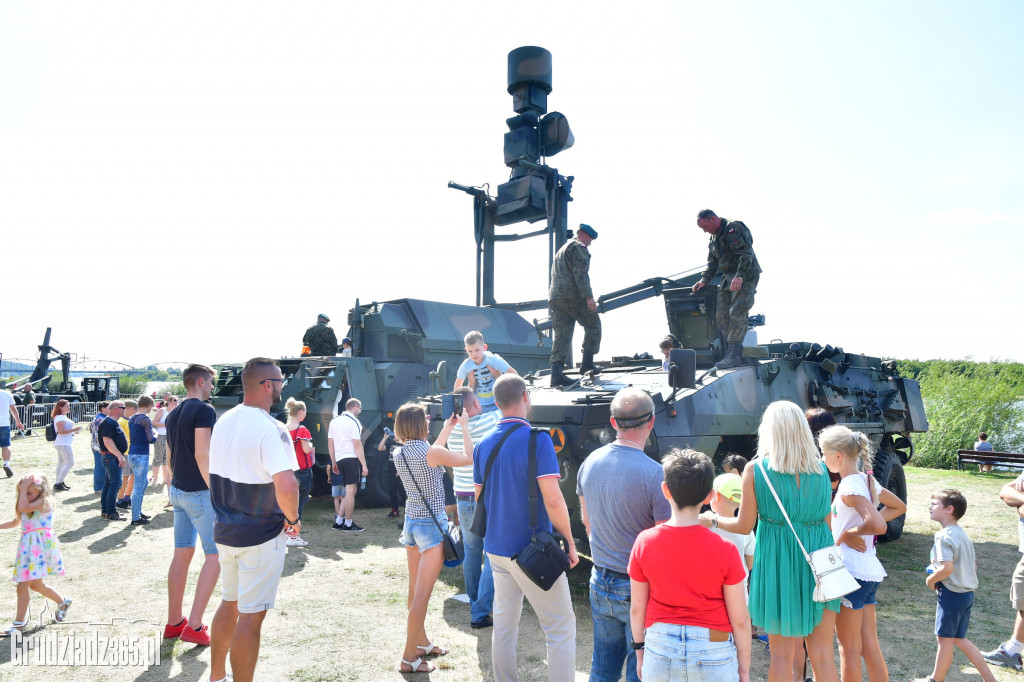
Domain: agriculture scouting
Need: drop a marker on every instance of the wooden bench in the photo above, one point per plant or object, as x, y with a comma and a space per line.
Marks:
1001, 459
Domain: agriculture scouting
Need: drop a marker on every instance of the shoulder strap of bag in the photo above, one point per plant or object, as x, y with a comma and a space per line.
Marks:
767, 480
533, 494
494, 456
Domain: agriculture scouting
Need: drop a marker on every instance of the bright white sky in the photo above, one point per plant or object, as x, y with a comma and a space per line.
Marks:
218, 173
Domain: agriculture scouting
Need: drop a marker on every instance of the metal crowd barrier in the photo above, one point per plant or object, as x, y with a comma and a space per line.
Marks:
36, 417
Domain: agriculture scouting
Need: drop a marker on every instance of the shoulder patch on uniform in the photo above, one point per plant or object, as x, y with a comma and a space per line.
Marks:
731, 230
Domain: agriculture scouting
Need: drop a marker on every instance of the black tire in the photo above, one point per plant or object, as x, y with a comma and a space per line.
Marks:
889, 472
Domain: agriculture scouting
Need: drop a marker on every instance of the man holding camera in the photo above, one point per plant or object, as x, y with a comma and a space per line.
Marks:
508, 532
479, 581
620, 497
731, 250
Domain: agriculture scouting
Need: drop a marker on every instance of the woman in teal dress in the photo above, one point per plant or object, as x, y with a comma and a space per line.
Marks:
782, 585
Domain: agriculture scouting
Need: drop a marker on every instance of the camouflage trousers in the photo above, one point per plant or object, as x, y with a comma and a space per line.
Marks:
565, 313
734, 308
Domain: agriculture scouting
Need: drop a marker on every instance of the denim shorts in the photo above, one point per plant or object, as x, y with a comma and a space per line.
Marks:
423, 533
193, 515
864, 596
676, 652
250, 575
5, 436
953, 612
337, 491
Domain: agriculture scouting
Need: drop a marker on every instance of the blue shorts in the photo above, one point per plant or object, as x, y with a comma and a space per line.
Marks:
423, 533
193, 515
953, 612
337, 491
5, 436
863, 596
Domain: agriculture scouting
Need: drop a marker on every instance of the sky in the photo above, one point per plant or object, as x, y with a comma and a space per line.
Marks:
195, 181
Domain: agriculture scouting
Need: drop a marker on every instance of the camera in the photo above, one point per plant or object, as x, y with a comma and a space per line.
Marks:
451, 403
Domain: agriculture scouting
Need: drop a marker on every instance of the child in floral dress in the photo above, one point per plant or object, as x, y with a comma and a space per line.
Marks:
38, 551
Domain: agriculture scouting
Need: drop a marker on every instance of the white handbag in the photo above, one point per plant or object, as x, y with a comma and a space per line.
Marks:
831, 578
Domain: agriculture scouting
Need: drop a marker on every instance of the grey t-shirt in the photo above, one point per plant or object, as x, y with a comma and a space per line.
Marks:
952, 544
622, 490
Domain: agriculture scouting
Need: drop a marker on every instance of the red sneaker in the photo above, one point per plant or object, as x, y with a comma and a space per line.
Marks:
174, 631
202, 637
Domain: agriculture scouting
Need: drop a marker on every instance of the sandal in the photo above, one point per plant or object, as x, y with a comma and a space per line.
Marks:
62, 610
17, 625
415, 665
433, 649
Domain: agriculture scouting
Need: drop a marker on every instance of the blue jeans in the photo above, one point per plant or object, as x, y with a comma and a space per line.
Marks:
479, 581
193, 515
685, 652
305, 480
609, 608
111, 484
140, 468
99, 474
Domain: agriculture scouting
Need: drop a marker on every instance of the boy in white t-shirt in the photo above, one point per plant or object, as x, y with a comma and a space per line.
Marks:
481, 368
725, 500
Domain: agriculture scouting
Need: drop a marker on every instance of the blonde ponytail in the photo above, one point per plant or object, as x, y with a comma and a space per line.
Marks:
853, 446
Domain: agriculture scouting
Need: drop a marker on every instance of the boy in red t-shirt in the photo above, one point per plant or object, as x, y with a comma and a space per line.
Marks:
693, 620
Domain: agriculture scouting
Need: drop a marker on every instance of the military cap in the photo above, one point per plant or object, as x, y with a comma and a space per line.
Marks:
589, 230
324, 316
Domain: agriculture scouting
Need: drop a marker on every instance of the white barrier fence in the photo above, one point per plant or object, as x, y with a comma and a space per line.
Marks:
37, 416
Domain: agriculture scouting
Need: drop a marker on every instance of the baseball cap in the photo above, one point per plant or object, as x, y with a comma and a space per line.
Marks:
729, 486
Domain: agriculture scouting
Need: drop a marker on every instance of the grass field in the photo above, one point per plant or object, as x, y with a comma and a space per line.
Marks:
341, 604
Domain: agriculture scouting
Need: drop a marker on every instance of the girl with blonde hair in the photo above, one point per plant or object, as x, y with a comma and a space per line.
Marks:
782, 584
855, 523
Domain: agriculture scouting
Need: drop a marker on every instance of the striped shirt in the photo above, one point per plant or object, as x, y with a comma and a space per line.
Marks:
479, 426
411, 463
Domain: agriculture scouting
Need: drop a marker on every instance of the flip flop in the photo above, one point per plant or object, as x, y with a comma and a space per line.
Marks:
433, 649
415, 665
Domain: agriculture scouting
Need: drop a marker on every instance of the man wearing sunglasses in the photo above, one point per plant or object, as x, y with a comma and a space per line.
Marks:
256, 497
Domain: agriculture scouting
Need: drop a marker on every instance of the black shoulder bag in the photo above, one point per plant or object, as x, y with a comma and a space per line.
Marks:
454, 551
544, 559
479, 527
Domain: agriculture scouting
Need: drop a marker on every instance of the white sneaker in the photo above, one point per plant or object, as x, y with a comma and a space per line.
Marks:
295, 542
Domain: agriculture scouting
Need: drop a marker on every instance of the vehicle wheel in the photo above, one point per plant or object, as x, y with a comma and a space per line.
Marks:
889, 472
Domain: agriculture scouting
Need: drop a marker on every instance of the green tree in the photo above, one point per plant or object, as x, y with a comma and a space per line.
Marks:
963, 398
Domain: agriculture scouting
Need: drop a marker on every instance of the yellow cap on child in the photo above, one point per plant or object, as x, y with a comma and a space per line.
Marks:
729, 486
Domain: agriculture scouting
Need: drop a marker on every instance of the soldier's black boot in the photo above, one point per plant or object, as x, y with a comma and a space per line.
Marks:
557, 378
732, 357
588, 364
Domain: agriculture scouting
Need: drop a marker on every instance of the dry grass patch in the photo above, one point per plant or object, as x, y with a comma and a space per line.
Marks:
341, 605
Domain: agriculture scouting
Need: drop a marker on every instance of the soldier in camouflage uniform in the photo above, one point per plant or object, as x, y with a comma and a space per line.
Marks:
320, 337
731, 250
571, 300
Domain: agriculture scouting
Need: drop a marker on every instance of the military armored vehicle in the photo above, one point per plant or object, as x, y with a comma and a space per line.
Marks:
402, 349
717, 412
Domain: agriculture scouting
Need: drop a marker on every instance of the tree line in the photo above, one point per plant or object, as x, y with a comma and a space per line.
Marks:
963, 398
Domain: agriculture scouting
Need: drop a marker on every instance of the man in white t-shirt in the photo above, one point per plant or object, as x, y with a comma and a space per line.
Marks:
348, 463
7, 405
479, 581
256, 497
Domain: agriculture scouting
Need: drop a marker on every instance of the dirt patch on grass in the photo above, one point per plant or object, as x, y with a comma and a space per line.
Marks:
340, 611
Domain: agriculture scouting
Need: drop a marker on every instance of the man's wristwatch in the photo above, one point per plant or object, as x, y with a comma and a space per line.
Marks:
637, 646
290, 523
714, 521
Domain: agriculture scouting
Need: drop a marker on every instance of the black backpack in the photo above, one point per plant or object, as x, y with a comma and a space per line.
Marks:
51, 432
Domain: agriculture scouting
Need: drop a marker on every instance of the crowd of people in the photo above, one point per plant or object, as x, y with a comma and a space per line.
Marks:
239, 485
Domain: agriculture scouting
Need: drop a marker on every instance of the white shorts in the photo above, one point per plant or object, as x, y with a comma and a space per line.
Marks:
250, 575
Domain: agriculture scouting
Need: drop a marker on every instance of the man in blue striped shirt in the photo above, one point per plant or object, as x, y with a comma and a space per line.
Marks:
479, 581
